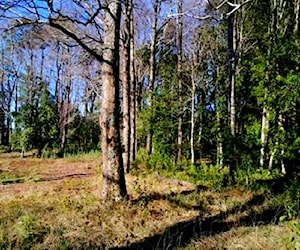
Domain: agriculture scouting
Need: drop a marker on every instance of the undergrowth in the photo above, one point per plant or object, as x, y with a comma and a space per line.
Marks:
260, 211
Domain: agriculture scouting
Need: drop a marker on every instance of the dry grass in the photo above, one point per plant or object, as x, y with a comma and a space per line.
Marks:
56, 206
260, 237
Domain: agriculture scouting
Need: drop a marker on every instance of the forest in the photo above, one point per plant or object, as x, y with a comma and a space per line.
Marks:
151, 124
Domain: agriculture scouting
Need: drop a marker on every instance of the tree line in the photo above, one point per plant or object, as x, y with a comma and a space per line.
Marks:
175, 81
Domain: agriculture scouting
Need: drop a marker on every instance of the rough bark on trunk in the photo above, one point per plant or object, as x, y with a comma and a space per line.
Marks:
65, 103
126, 89
156, 7
179, 68
113, 177
132, 152
232, 71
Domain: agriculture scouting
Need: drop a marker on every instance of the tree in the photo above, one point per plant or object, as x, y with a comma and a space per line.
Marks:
180, 77
47, 13
113, 182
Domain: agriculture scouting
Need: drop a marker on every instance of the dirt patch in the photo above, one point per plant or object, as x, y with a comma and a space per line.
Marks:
45, 176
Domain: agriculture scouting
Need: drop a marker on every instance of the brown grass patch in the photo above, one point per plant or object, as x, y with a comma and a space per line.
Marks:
57, 207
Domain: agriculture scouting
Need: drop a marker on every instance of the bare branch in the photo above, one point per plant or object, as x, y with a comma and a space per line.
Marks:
236, 6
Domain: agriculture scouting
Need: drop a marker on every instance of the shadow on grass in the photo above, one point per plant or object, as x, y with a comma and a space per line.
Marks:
182, 233
56, 178
42, 179
170, 197
275, 186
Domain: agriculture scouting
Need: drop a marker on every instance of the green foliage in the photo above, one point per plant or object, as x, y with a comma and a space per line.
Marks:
37, 126
83, 135
161, 161
6, 178
295, 234
31, 231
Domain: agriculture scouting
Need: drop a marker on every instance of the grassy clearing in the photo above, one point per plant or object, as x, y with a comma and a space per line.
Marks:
61, 209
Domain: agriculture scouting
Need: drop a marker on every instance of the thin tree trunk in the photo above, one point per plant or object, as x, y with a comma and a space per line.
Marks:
179, 68
126, 90
264, 135
281, 127
2, 114
232, 71
193, 119
113, 177
66, 104
297, 16
156, 7
132, 89
219, 129
266, 110
2, 94
58, 69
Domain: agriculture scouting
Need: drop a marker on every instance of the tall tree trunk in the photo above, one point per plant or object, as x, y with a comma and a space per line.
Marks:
179, 68
113, 177
126, 89
2, 100
269, 77
232, 71
193, 118
2, 115
132, 89
156, 8
219, 126
66, 102
297, 16
58, 70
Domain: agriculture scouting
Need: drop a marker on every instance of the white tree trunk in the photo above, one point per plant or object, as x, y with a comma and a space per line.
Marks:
264, 136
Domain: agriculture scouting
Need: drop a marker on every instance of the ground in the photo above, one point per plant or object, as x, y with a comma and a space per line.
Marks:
54, 204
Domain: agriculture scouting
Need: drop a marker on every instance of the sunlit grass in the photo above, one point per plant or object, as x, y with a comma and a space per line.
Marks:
57, 206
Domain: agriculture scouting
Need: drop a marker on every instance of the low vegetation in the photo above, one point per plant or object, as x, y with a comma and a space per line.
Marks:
54, 204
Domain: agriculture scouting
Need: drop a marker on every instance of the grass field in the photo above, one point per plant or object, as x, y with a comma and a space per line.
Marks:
54, 204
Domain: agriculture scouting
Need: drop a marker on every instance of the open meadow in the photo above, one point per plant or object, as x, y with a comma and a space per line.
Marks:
54, 204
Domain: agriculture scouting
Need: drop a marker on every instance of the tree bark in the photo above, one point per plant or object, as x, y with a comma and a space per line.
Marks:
126, 89
219, 126
2, 100
297, 16
133, 102
113, 177
232, 71
179, 68
264, 135
193, 118
156, 7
